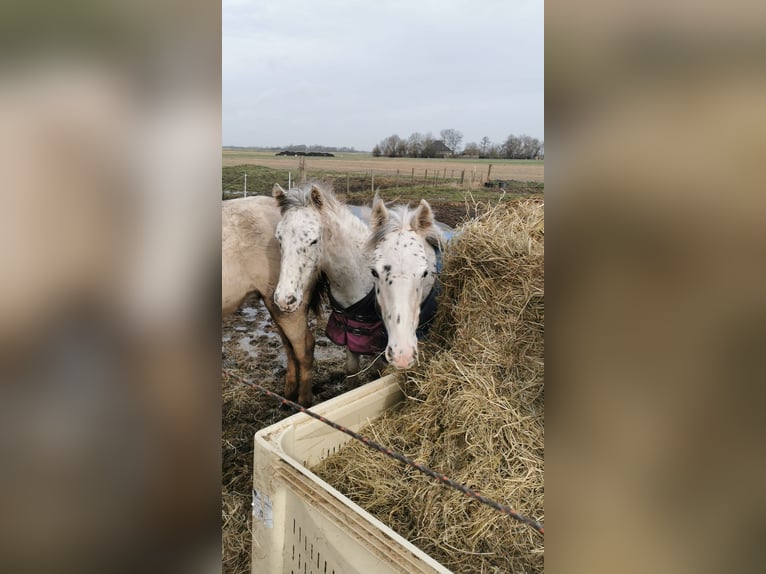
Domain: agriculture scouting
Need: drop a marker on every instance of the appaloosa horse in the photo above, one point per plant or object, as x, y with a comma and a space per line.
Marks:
250, 264
406, 259
322, 241
321, 237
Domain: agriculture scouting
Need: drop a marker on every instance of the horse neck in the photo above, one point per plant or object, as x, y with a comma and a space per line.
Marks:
345, 261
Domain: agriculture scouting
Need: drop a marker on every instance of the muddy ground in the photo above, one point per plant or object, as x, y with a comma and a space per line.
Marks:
251, 347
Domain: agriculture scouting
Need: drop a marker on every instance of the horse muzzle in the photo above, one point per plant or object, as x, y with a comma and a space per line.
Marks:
286, 302
402, 357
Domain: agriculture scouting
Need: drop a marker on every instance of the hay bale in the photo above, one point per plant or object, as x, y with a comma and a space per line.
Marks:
476, 408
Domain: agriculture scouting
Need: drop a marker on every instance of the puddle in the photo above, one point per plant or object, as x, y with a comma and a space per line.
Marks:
253, 332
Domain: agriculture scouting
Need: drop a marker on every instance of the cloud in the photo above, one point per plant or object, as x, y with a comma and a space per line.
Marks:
313, 68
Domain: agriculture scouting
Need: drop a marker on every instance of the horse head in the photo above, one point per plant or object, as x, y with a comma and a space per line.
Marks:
299, 233
403, 244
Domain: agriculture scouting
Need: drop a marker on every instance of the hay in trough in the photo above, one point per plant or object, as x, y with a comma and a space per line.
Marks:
475, 410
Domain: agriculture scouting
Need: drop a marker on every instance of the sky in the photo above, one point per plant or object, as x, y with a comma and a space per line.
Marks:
351, 73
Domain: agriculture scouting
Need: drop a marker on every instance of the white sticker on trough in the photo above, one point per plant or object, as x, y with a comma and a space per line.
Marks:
262, 511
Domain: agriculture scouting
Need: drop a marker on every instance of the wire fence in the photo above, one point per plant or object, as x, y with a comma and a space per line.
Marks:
502, 508
356, 181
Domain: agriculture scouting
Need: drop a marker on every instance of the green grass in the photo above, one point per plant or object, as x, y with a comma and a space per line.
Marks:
357, 188
260, 179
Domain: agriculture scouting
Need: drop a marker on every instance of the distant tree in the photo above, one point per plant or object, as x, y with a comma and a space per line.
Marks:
415, 145
484, 147
452, 139
376, 151
521, 147
472, 149
392, 146
494, 151
530, 147
511, 147
428, 145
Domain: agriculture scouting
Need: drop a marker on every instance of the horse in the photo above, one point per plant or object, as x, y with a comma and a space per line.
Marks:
322, 241
406, 258
251, 264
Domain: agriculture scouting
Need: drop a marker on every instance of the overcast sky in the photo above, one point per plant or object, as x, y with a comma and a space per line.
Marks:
350, 73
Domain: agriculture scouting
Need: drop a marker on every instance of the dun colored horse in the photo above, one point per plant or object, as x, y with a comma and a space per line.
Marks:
251, 264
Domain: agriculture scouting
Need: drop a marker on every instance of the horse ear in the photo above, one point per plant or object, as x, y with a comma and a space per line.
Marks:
379, 215
316, 197
423, 219
277, 192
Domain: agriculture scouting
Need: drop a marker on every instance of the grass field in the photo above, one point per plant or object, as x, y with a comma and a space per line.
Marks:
506, 169
357, 188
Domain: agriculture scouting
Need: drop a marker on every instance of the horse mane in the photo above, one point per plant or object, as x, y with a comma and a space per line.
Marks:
400, 219
301, 196
318, 297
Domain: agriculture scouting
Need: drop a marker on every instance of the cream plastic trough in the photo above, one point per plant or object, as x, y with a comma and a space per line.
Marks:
302, 525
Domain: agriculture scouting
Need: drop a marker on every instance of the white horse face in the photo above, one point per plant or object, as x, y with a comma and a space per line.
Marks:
404, 270
300, 237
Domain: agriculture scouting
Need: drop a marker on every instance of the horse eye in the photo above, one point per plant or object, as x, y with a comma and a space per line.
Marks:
374, 273
425, 273
314, 242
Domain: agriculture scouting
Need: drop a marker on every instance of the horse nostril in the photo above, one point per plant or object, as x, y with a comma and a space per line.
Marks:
388, 354
290, 299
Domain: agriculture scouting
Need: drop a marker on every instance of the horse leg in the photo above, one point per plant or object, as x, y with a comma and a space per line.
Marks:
296, 328
305, 354
282, 322
352, 363
299, 345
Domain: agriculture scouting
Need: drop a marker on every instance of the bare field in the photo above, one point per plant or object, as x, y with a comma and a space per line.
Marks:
520, 170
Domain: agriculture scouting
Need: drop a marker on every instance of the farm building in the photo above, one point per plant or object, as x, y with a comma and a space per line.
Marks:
438, 149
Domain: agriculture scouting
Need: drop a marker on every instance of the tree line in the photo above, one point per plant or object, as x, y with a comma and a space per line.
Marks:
449, 145
300, 148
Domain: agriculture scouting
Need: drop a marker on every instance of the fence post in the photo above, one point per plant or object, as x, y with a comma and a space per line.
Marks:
302, 168
425, 179
397, 180
289, 180
462, 178
245, 190
348, 182
489, 171
413, 177
372, 181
